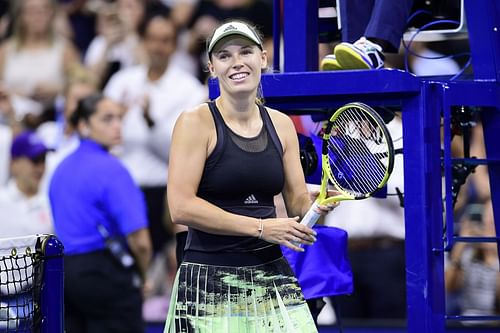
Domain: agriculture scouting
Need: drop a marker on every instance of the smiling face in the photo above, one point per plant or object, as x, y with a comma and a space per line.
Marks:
237, 62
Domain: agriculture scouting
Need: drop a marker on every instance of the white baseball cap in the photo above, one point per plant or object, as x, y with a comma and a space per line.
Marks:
233, 28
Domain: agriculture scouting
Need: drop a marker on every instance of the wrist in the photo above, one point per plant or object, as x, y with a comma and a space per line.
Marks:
260, 229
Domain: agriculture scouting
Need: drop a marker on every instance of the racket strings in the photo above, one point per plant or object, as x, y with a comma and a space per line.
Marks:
370, 133
358, 152
355, 161
357, 158
348, 175
352, 176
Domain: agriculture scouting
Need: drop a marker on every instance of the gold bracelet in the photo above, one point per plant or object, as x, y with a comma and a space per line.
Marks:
261, 228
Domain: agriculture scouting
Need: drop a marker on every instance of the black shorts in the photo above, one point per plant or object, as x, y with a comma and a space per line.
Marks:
100, 295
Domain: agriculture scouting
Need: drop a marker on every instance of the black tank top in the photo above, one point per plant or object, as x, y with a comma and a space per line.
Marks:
242, 176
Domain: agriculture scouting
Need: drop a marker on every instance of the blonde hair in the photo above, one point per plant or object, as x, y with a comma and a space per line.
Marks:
78, 74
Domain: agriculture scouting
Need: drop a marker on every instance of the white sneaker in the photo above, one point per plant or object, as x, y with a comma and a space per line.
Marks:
363, 54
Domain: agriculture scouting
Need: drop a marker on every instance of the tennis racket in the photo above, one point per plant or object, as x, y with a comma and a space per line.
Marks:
357, 156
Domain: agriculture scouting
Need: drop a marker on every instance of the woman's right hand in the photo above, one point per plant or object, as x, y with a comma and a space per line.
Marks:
287, 232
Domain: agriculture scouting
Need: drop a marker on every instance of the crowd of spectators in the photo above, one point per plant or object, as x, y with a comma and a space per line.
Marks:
146, 55
150, 57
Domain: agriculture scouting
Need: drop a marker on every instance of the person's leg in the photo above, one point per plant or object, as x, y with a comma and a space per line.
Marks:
382, 33
155, 204
379, 283
388, 290
388, 23
120, 308
354, 306
73, 322
124, 319
104, 294
74, 318
354, 17
315, 306
180, 238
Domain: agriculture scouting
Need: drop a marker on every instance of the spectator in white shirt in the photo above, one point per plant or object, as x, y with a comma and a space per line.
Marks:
117, 46
25, 210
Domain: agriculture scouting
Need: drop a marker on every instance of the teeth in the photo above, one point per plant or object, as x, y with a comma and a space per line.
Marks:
238, 76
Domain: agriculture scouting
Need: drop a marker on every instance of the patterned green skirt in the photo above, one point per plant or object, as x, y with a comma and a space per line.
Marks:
264, 298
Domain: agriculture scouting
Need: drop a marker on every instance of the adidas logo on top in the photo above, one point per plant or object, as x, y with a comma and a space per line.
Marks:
251, 200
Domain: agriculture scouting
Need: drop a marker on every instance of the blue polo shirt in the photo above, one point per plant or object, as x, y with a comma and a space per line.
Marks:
92, 186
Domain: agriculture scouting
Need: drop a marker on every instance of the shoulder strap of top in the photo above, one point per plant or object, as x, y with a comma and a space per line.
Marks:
266, 119
219, 128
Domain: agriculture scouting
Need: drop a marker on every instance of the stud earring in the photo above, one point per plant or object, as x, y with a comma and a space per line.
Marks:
85, 132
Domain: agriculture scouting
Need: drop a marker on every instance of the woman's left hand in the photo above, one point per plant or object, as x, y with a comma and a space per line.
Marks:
325, 209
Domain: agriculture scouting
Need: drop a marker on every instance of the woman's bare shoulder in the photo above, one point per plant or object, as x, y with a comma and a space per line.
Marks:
279, 118
198, 115
197, 120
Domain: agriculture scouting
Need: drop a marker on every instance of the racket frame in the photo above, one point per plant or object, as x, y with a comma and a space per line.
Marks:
314, 212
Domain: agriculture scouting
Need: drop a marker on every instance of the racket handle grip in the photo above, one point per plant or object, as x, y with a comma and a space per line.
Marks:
311, 216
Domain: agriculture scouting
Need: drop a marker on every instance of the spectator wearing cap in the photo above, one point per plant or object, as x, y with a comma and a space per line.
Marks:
25, 209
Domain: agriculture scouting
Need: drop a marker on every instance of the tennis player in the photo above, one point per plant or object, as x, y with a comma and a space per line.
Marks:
228, 159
